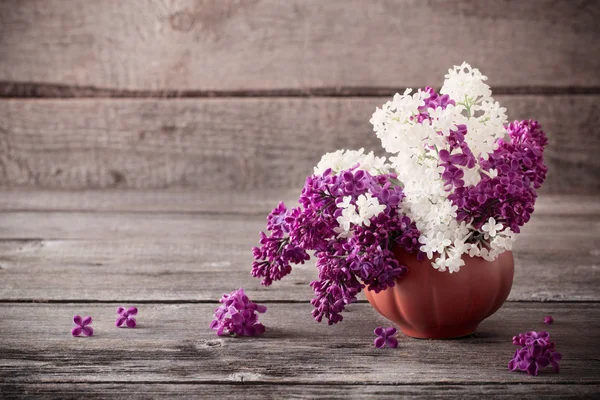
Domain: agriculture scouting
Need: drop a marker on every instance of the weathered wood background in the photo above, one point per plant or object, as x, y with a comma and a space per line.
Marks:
143, 142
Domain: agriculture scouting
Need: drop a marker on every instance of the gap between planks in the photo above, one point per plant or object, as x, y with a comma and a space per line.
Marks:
243, 382
266, 301
34, 90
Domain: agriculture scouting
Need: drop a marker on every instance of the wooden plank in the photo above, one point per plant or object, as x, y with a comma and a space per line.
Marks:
257, 202
251, 202
229, 45
173, 344
61, 391
188, 257
239, 144
558, 224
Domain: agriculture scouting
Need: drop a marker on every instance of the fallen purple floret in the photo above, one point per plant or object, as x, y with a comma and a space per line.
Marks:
126, 316
82, 326
237, 315
537, 351
385, 336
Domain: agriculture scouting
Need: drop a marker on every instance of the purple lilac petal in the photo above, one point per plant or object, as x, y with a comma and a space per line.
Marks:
120, 321
554, 359
261, 309
536, 351
248, 330
132, 311
543, 361
88, 331
86, 320
532, 368
390, 331
237, 319
259, 329
392, 342
120, 310
76, 331
77, 319
379, 342
548, 320
130, 323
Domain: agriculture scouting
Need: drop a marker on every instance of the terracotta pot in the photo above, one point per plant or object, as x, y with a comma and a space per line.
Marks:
427, 303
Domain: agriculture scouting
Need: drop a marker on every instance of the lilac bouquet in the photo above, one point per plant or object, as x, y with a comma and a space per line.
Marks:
460, 181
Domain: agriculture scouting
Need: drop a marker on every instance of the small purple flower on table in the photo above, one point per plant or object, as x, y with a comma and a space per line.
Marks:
548, 320
385, 336
82, 326
537, 351
126, 316
237, 315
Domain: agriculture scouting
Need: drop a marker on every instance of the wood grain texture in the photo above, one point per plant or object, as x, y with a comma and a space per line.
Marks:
248, 202
239, 144
173, 344
191, 201
213, 45
132, 391
54, 256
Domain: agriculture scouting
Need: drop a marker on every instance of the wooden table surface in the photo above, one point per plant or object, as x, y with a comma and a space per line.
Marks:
174, 255
143, 142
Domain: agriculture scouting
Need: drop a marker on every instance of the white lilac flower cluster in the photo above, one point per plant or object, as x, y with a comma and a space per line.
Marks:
360, 214
418, 167
417, 144
345, 159
433, 156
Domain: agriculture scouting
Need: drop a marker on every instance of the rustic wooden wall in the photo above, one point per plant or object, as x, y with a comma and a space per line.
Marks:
127, 87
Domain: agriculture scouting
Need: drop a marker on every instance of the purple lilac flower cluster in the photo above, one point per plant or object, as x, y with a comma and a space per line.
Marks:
536, 351
237, 315
346, 264
510, 196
